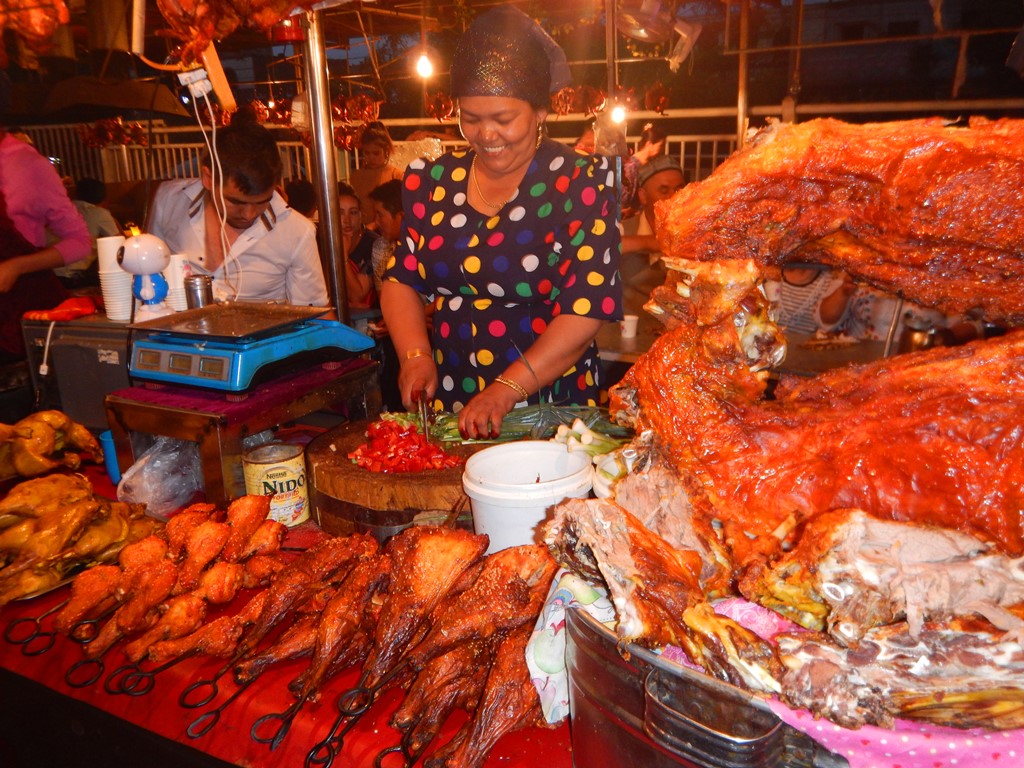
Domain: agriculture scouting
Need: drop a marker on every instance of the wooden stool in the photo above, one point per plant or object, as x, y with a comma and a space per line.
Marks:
218, 422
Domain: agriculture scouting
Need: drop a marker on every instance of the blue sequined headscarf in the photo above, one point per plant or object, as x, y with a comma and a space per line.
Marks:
498, 55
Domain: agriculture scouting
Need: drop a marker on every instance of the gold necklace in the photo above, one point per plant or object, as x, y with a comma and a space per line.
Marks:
479, 192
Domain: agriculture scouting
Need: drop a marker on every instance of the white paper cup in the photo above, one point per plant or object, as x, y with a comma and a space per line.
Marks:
106, 252
628, 326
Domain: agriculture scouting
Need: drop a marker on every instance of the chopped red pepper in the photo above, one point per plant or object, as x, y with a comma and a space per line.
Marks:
394, 447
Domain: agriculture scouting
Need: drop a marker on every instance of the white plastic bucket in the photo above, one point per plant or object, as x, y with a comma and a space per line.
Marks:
512, 486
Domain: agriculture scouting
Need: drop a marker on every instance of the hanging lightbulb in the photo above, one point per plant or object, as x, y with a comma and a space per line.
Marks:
270, 102
619, 114
424, 67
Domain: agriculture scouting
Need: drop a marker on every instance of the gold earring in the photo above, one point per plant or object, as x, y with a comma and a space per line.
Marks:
540, 134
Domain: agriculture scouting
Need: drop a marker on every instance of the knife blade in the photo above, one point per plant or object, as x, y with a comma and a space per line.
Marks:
424, 417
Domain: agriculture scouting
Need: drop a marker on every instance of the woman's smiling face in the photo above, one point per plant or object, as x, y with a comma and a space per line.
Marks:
502, 130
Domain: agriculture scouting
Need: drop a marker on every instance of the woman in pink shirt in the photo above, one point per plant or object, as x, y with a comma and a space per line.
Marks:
33, 203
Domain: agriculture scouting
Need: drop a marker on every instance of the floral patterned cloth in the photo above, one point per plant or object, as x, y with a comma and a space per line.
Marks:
498, 281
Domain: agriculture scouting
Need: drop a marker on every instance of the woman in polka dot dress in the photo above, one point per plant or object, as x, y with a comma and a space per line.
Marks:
515, 239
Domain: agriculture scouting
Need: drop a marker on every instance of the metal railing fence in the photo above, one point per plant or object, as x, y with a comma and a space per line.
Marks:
176, 153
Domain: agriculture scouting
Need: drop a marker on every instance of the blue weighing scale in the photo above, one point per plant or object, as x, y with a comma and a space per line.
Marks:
232, 346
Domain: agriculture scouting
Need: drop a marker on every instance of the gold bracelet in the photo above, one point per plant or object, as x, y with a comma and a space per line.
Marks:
409, 355
518, 388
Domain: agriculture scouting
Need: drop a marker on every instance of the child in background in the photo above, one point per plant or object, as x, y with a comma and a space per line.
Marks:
387, 207
357, 242
387, 216
375, 150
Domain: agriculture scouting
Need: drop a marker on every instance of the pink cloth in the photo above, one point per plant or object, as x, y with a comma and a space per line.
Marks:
37, 201
909, 744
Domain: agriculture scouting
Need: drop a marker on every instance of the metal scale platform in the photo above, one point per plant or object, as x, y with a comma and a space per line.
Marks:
234, 346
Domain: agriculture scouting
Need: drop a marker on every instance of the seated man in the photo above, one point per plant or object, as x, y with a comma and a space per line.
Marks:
237, 228
641, 267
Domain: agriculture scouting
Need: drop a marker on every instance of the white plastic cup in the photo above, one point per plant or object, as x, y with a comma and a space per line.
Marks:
116, 288
512, 487
106, 252
628, 326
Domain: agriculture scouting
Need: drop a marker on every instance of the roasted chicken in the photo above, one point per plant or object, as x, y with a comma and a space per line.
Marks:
50, 526
218, 637
44, 441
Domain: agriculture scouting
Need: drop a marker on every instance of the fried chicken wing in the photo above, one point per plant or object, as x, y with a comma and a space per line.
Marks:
220, 582
180, 526
142, 592
92, 593
204, 544
245, 517
217, 638
265, 540
259, 570
180, 616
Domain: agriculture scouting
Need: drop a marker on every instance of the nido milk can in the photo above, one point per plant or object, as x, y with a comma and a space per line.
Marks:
278, 470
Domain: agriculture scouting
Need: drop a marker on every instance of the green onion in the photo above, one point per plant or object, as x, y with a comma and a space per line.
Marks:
539, 422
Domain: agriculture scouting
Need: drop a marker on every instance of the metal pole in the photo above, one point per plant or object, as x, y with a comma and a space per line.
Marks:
741, 88
609, 44
325, 160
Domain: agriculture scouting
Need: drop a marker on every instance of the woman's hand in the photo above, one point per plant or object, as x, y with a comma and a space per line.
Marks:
417, 379
481, 417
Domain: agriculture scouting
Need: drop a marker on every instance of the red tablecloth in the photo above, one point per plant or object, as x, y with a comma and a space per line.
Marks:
160, 712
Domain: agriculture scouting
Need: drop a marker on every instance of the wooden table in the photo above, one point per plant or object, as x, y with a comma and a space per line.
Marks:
219, 422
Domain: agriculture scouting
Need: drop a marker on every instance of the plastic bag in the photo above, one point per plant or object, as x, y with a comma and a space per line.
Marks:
164, 478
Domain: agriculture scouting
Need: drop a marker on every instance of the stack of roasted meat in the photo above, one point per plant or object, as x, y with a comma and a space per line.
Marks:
879, 506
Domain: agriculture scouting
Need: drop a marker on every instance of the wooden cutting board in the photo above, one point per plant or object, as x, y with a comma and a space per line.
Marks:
330, 472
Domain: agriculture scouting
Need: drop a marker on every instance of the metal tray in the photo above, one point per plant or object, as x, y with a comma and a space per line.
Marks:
232, 320
633, 709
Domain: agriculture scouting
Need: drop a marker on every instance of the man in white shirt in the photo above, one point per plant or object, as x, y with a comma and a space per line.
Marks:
236, 228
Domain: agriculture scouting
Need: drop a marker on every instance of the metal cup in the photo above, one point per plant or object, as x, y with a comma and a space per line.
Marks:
198, 291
